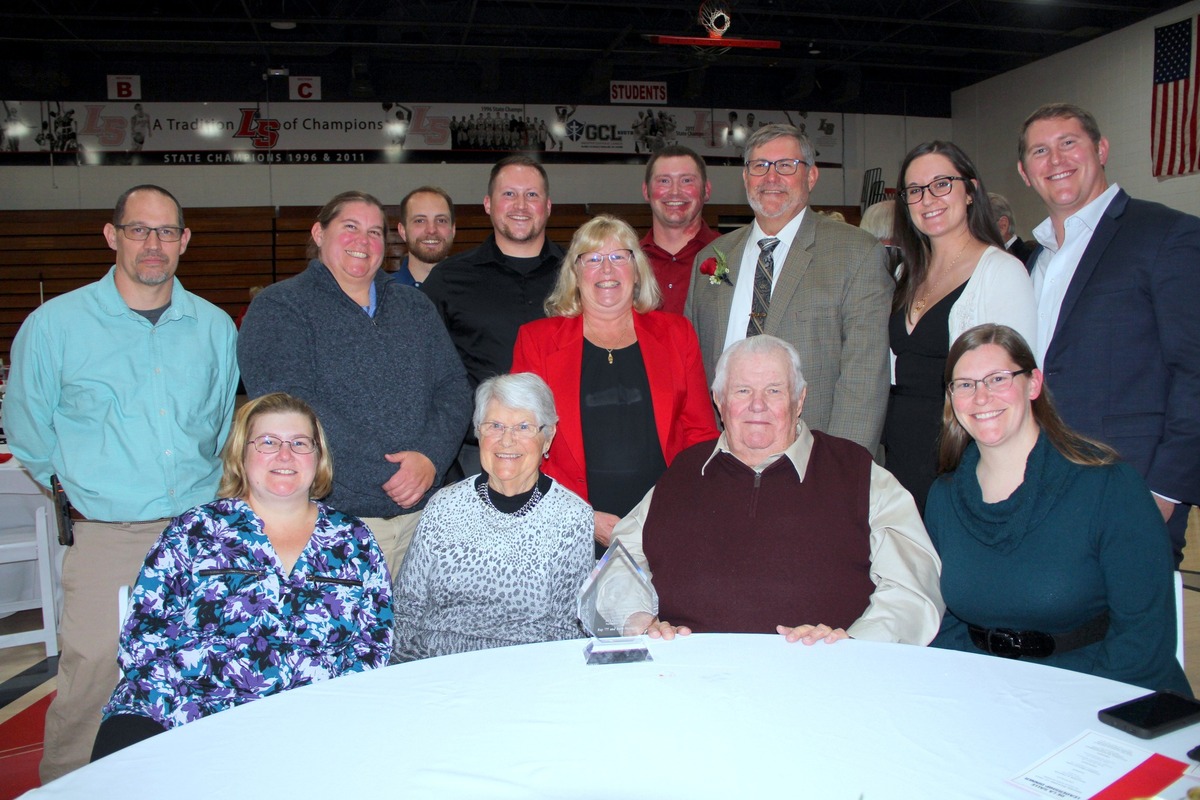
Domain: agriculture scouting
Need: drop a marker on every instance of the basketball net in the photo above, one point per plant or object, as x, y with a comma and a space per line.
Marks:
715, 17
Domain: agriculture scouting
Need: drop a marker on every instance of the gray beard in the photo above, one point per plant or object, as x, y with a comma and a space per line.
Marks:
153, 280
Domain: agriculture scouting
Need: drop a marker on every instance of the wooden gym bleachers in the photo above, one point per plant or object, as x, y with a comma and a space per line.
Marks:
47, 253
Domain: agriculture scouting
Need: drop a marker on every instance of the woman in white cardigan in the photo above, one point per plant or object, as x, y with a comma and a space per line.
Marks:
954, 275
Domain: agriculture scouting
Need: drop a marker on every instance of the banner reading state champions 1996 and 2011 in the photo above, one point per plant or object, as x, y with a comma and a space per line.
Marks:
42, 132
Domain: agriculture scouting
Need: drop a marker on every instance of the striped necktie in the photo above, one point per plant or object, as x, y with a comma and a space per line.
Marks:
764, 276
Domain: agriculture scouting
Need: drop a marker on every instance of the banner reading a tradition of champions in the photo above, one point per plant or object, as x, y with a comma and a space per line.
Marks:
366, 133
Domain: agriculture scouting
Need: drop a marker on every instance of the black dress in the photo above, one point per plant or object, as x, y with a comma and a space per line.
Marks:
914, 415
620, 439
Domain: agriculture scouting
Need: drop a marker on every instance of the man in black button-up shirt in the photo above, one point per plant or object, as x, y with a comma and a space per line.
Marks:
484, 295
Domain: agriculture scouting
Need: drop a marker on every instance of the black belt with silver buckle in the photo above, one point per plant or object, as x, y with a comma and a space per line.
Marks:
1010, 643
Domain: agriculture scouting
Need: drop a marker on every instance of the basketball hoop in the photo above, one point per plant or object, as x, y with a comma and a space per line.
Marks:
715, 17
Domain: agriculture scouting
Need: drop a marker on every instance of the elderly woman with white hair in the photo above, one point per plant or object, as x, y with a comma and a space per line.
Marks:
498, 558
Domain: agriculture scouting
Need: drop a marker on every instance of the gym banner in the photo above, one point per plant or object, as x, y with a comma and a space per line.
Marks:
103, 133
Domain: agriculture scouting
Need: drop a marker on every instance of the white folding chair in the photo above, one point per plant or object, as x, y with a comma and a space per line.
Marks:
32, 545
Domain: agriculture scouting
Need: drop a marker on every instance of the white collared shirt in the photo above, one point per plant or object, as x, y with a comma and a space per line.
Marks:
1056, 265
743, 291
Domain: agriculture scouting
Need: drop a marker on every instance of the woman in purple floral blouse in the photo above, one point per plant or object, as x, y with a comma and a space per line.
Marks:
260, 591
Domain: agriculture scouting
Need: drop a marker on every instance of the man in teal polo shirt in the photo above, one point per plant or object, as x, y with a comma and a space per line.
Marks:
124, 390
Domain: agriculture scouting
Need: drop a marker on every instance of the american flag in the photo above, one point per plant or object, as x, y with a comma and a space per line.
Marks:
1173, 143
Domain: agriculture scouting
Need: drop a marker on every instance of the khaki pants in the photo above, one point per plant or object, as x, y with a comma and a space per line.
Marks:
394, 536
105, 555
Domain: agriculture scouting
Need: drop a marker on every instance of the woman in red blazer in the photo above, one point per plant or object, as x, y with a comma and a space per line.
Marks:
628, 380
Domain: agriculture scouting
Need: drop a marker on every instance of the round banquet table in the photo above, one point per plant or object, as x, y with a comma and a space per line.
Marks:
712, 716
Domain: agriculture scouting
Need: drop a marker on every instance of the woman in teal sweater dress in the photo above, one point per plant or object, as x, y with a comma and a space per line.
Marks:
1052, 550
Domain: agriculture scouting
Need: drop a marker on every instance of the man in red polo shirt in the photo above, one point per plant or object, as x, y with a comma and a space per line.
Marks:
676, 187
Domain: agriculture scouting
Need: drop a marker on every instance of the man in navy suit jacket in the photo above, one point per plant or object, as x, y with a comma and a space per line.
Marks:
1118, 287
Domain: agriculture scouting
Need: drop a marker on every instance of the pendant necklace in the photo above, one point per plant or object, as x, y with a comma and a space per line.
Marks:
919, 306
608, 350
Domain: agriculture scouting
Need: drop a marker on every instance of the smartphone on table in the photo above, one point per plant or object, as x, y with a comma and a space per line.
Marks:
1153, 715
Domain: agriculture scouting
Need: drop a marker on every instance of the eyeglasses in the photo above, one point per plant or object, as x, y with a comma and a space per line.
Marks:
268, 444
938, 188
140, 233
522, 430
784, 166
996, 382
618, 258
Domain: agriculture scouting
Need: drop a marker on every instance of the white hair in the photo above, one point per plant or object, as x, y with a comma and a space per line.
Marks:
522, 391
758, 345
879, 218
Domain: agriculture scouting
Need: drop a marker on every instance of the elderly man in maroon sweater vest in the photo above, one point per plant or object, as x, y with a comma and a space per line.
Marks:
775, 523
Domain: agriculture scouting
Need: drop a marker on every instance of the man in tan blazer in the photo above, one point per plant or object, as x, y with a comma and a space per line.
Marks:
831, 295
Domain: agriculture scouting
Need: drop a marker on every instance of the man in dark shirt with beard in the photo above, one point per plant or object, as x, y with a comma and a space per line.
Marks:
484, 295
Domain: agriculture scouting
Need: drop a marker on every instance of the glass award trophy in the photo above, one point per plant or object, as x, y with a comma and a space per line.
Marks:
616, 604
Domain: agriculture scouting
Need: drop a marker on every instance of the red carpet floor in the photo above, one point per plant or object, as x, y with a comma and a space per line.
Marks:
21, 749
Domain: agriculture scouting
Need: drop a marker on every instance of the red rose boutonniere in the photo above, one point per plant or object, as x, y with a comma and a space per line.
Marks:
717, 269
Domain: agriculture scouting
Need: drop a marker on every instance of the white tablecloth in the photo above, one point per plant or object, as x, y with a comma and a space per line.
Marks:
713, 716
